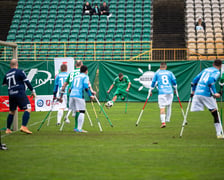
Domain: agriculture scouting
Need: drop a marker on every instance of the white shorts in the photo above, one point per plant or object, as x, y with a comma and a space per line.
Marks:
63, 105
165, 100
77, 104
199, 102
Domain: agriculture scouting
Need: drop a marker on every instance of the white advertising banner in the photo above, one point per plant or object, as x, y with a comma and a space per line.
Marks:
44, 103
63, 60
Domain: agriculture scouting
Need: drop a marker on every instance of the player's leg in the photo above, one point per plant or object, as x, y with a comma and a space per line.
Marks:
72, 106
162, 104
169, 107
211, 104
9, 121
26, 106
80, 115
12, 109
114, 98
163, 117
59, 116
62, 107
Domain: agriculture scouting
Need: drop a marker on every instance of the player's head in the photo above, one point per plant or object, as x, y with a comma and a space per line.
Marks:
64, 68
14, 63
84, 69
120, 75
78, 64
217, 63
163, 65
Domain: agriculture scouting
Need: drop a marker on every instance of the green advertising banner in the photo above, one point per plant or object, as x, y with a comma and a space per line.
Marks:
41, 74
137, 72
102, 74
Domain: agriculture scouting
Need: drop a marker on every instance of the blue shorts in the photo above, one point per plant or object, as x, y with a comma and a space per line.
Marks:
22, 101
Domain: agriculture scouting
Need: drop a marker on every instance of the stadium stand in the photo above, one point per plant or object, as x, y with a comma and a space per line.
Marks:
208, 43
53, 20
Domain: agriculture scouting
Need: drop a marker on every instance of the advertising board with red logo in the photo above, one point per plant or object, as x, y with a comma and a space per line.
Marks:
4, 103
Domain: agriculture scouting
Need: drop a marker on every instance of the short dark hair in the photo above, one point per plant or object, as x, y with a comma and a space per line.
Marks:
78, 63
163, 64
63, 67
218, 62
83, 69
120, 75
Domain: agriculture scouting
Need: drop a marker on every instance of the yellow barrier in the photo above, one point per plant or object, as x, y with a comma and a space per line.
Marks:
205, 50
87, 51
118, 51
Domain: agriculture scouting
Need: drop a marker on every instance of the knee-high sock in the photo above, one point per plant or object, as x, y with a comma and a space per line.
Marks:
168, 113
9, 120
80, 120
218, 128
59, 116
76, 119
26, 117
162, 118
69, 112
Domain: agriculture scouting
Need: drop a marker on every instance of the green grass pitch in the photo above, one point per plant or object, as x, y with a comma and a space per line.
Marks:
122, 152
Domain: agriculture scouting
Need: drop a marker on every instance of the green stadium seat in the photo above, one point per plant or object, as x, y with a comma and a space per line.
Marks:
30, 31
147, 21
127, 37
110, 31
146, 37
21, 31
17, 16
118, 37
19, 37
12, 31
91, 37
11, 37
119, 31
75, 31
129, 16
138, 16
64, 37
111, 25
109, 37
82, 37
136, 37
147, 16
101, 31
24, 21
19, 7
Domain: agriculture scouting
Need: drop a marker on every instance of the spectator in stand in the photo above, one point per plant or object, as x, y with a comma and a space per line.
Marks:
200, 25
87, 10
96, 10
104, 9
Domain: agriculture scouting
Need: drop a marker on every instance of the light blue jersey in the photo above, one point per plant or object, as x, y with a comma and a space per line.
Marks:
79, 84
59, 81
165, 80
204, 83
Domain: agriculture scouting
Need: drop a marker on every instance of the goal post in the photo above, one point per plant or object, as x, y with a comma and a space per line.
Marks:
14, 56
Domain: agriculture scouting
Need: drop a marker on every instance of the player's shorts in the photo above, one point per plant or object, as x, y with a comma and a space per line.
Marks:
120, 92
77, 104
21, 101
165, 100
199, 102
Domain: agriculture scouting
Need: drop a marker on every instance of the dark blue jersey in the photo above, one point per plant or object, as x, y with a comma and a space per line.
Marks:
16, 79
